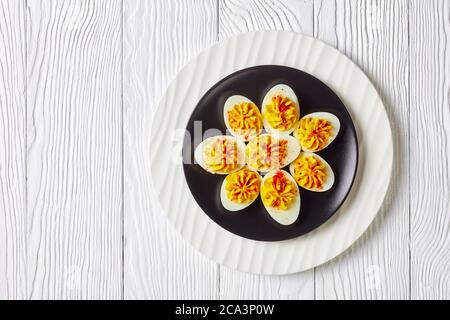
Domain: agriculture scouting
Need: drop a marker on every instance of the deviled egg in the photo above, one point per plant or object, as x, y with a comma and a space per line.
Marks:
271, 151
312, 172
281, 197
280, 109
240, 189
317, 130
242, 117
220, 154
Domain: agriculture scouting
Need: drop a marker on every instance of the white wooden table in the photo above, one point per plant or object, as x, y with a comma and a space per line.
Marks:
79, 83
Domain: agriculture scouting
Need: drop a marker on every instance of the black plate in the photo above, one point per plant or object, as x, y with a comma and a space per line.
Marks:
254, 222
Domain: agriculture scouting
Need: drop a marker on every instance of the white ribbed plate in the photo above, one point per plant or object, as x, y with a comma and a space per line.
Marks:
353, 88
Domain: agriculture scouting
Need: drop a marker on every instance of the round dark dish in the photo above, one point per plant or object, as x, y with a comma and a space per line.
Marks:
254, 222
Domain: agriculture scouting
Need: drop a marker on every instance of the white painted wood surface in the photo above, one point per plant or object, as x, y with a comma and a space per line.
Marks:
12, 150
79, 83
430, 149
74, 149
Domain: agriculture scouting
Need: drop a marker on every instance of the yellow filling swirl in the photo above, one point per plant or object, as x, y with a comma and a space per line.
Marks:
281, 113
278, 192
245, 119
314, 133
310, 172
221, 155
242, 186
265, 152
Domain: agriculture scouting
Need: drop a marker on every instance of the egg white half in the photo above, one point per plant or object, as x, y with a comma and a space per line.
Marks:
285, 91
283, 217
230, 103
198, 153
336, 124
328, 183
293, 149
230, 205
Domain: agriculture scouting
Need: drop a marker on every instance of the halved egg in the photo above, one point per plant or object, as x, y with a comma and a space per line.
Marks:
242, 117
281, 197
280, 109
317, 130
271, 151
312, 172
240, 189
220, 154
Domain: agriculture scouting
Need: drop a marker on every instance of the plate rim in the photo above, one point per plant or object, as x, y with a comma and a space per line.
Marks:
231, 250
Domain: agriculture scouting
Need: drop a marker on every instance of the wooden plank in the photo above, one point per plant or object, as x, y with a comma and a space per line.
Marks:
236, 16
12, 150
74, 149
374, 34
430, 149
159, 38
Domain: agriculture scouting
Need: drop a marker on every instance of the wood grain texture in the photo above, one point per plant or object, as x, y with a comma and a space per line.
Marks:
374, 34
12, 150
74, 149
159, 38
236, 16
430, 149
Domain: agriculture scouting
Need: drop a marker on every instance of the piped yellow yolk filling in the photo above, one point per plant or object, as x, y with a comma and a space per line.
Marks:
242, 186
278, 192
245, 119
281, 113
310, 172
264, 153
221, 155
314, 133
